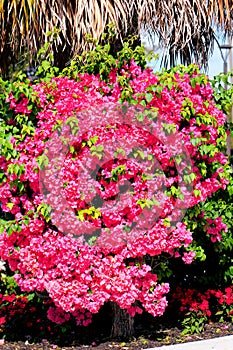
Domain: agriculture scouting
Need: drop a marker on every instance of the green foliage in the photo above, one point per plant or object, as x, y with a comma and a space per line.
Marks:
7, 282
223, 91
194, 323
101, 60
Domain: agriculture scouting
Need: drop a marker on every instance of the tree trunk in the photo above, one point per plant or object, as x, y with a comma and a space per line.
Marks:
123, 323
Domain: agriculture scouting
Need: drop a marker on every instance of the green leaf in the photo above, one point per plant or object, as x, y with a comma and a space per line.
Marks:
143, 103
149, 97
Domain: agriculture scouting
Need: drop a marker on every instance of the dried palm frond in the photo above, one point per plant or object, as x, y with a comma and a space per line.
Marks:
92, 17
221, 12
24, 24
185, 27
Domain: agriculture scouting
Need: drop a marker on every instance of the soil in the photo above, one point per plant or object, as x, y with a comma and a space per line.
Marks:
143, 340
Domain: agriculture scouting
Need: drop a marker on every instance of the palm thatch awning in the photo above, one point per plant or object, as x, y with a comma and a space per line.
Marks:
186, 27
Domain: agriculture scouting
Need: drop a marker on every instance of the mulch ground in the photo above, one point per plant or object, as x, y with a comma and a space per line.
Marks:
149, 339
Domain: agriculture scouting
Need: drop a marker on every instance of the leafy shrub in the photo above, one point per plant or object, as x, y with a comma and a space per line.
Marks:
78, 274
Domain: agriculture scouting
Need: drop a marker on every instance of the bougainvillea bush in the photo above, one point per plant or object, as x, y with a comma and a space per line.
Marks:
106, 261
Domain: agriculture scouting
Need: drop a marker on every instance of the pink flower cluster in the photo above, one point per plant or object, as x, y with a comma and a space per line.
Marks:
214, 228
80, 277
20, 106
57, 315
